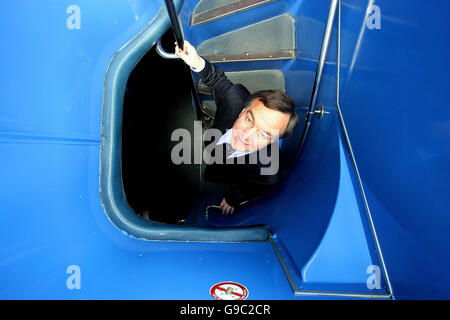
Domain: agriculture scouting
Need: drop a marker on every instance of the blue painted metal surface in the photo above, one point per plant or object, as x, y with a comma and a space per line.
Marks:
52, 217
395, 78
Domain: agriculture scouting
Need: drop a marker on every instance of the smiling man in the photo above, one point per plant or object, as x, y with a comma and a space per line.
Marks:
251, 125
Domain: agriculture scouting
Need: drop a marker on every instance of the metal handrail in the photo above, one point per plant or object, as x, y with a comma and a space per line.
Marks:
163, 53
176, 28
178, 34
318, 77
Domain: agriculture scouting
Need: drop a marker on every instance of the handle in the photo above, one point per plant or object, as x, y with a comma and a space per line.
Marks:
177, 32
176, 28
163, 53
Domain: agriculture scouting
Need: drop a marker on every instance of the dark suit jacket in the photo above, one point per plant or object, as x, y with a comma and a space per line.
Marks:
245, 180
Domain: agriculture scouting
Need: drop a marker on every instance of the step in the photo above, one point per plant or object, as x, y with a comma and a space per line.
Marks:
271, 39
209, 108
253, 80
210, 10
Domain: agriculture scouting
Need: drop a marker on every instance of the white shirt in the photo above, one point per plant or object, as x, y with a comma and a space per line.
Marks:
200, 67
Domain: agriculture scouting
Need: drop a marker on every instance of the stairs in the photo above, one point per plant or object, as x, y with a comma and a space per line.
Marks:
267, 40
210, 10
272, 39
253, 80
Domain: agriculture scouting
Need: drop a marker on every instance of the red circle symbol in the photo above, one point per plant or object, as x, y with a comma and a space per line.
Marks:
228, 290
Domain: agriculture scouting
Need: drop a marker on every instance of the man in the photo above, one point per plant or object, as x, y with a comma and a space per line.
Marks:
251, 125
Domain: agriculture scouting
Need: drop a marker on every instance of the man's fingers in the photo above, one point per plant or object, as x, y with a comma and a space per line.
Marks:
177, 51
225, 208
180, 53
223, 205
185, 45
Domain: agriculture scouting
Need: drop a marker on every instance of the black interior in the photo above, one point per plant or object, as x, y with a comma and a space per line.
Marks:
157, 101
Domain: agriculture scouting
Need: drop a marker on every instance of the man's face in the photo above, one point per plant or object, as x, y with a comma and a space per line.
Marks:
257, 126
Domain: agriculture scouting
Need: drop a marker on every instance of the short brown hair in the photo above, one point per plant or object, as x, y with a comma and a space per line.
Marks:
279, 101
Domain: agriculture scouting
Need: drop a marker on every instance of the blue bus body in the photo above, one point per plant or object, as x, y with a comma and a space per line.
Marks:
334, 227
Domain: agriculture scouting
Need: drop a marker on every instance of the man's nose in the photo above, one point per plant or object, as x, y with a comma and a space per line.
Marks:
248, 133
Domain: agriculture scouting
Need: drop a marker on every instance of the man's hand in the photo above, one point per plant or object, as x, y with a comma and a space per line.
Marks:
189, 55
226, 208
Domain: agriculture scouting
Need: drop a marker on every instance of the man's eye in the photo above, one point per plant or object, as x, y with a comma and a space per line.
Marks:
264, 135
249, 120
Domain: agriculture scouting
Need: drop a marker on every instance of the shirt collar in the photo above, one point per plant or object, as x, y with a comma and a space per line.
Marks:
226, 138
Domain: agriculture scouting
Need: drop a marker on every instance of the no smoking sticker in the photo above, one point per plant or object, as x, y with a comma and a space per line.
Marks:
228, 290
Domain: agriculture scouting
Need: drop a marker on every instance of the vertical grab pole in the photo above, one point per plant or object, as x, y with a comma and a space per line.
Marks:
319, 72
178, 34
176, 28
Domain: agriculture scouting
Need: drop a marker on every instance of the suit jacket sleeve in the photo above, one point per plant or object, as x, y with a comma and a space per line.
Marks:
229, 97
214, 78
